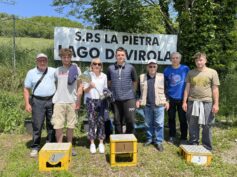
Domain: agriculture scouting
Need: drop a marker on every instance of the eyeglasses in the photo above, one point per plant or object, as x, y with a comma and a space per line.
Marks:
152, 66
99, 64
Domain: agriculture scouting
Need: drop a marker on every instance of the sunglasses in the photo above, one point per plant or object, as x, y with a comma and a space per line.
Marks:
152, 66
99, 64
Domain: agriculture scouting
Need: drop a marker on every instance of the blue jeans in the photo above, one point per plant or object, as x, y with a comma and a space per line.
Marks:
154, 123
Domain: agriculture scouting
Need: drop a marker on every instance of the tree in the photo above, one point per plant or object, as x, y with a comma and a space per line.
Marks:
207, 25
117, 15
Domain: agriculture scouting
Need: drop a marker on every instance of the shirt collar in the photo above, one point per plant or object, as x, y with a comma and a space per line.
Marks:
119, 66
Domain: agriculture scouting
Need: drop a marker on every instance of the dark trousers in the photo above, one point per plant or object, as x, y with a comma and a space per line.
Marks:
194, 126
41, 109
176, 105
124, 113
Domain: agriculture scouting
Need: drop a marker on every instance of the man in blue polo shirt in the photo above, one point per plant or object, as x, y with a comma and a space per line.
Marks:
41, 105
175, 76
122, 79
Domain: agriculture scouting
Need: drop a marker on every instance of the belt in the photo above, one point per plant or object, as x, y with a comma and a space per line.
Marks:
42, 98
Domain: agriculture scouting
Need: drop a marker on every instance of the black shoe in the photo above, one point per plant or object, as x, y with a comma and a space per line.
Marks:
159, 147
147, 143
171, 140
183, 142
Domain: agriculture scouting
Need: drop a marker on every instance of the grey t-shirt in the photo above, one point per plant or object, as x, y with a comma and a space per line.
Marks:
65, 93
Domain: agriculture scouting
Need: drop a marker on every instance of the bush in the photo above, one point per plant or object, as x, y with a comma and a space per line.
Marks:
11, 112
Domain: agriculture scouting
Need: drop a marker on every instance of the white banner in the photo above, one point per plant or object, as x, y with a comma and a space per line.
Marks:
87, 44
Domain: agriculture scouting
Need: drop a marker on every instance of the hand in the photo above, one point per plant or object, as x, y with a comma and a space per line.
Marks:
28, 108
92, 85
215, 108
167, 106
138, 103
185, 107
77, 105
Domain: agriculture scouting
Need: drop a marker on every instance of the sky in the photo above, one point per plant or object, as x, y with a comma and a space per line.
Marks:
30, 8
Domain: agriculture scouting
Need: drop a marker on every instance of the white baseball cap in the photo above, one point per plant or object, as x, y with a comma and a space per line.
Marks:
152, 61
41, 55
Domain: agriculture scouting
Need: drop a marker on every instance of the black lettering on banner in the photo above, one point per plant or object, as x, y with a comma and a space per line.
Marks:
155, 41
128, 55
81, 52
78, 36
142, 55
59, 47
114, 39
142, 39
151, 55
97, 37
167, 56
125, 39
135, 40
94, 52
148, 41
106, 39
109, 54
89, 36
135, 54
73, 51
159, 55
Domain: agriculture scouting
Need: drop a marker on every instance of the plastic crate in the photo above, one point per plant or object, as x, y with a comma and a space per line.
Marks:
55, 156
123, 150
196, 154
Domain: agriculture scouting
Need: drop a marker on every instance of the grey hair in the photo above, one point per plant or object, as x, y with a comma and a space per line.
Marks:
176, 53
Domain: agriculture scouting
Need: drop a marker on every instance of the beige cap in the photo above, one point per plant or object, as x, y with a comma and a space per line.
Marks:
152, 61
41, 55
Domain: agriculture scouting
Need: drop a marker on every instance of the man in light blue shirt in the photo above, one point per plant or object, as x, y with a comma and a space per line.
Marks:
40, 104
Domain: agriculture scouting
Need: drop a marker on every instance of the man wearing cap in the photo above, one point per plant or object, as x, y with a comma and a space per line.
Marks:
175, 76
152, 96
41, 83
122, 80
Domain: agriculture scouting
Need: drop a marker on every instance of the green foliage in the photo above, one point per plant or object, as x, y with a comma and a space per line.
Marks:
37, 27
11, 112
118, 15
207, 26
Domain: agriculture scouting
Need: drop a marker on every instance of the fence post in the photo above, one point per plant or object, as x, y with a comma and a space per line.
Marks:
14, 43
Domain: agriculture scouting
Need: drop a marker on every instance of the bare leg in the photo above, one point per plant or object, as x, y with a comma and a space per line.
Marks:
69, 135
59, 135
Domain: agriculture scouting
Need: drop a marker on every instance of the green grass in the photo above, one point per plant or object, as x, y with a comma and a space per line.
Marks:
15, 160
28, 43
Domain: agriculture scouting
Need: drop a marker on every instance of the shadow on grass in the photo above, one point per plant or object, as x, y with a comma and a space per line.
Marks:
224, 124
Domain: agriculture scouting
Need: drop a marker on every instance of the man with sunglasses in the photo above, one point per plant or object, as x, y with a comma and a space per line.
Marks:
122, 79
152, 96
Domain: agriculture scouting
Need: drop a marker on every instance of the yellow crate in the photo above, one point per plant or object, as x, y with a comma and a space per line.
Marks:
123, 150
196, 154
55, 156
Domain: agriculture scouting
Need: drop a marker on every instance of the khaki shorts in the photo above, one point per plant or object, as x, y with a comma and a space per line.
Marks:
64, 112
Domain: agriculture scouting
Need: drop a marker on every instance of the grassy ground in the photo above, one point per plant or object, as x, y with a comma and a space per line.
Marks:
29, 43
15, 160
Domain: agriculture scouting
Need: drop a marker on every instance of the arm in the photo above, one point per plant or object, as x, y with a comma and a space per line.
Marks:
26, 93
79, 94
87, 89
138, 95
215, 93
185, 99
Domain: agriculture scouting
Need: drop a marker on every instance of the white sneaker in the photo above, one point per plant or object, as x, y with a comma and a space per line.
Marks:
92, 148
101, 148
34, 153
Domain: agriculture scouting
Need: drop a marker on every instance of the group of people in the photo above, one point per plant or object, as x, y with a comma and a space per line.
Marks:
55, 95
